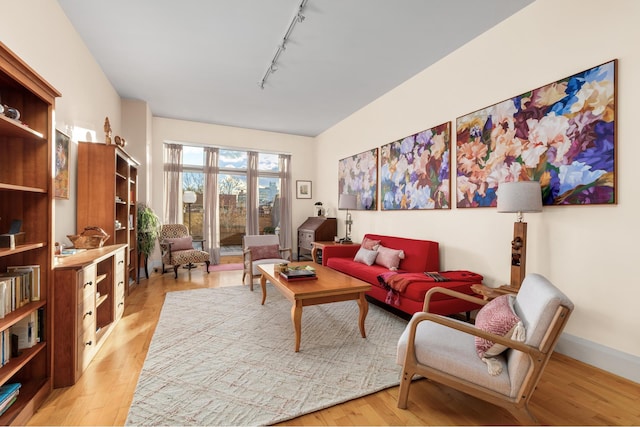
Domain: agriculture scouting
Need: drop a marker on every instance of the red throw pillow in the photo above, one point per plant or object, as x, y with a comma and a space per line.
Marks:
265, 252
180, 243
370, 244
389, 258
498, 317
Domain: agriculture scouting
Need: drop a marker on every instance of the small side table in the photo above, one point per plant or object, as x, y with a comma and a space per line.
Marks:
490, 293
319, 246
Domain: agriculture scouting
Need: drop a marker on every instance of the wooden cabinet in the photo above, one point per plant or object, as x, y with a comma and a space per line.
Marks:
88, 301
26, 194
315, 228
107, 195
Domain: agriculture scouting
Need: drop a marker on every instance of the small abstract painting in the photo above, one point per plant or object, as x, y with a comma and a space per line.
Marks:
562, 135
358, 175
415, 171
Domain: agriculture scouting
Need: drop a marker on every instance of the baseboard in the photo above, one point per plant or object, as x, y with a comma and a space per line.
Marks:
619, 363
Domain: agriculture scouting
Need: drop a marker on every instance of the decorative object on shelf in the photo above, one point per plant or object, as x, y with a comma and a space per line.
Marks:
303, 189
415, 171
518, 197
318, 209
347, 201
11, 112
107, 131
119, 141
61, 174
189, 197
562, 134
90, 238
358, 175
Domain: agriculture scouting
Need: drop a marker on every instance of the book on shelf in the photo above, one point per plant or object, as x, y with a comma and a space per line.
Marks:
26, 329
33, 274
19, 289
8, 395
5, 343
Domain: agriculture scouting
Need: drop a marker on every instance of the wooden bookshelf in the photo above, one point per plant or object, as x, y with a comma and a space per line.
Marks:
26, 193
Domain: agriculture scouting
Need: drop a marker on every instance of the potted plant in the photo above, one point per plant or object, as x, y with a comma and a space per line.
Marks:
148, 232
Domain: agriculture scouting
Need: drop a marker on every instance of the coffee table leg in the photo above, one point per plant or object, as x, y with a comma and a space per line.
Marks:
364, 309
263, 285
296, 318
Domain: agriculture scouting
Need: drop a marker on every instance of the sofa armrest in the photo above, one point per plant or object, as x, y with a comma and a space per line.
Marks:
339, 251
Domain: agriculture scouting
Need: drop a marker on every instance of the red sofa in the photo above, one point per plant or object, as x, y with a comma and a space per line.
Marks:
420, 256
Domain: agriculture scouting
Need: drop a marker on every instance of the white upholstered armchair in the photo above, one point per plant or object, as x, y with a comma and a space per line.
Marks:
446, 351
261, 249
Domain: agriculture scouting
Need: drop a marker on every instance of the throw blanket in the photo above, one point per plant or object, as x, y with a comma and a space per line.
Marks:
396, 283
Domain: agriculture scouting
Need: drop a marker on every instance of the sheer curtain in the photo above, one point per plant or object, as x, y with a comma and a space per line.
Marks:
253, 226
285, 200
172, 183
210, 204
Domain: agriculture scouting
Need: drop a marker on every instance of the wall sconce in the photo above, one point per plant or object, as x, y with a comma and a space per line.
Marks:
519, 197
347, 201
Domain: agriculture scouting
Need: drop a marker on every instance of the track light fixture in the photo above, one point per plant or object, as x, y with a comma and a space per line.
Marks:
299, 17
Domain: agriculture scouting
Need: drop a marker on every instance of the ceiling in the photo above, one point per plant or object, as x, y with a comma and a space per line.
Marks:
203, 60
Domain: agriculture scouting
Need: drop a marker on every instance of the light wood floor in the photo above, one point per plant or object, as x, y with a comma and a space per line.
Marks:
570, 392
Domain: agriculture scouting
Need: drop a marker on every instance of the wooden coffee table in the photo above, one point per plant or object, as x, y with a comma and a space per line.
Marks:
330, 286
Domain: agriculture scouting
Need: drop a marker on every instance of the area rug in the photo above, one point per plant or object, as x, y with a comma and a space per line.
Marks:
218, 357
226, 267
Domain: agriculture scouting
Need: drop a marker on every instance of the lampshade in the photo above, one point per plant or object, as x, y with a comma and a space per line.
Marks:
347, 201
521, 196
189, 197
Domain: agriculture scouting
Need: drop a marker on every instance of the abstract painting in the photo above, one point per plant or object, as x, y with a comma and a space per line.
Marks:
415, 171
61, 172
358, 175
562, 135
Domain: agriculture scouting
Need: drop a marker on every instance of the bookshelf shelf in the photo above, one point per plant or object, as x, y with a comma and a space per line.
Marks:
26, 193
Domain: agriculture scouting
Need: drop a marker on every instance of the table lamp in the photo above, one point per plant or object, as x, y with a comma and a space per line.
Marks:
519, 197
347, 201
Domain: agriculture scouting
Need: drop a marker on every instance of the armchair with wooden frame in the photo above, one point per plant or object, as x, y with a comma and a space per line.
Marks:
443, 349
177, 248
261, 249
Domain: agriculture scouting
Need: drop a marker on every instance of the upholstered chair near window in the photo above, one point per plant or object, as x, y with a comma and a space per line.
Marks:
261, 249
500, 359
177, 248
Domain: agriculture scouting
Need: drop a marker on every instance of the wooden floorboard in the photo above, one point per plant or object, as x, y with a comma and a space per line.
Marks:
569, 393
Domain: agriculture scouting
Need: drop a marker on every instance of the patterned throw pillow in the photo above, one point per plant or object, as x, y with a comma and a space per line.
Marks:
365, 256
498, 317
389, 258
264, 252
370, 244
180, 243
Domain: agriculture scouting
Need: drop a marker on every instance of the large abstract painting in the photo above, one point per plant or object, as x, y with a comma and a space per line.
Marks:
358, 175
415, 171
562, 134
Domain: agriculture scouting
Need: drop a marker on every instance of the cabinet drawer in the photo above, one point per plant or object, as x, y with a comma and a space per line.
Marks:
119, 260
305, 238
87, 315
86, 282
86, 350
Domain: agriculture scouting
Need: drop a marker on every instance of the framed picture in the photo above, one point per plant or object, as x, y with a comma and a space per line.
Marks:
561, 134
303, 189
61, 171
358, 175
415, 171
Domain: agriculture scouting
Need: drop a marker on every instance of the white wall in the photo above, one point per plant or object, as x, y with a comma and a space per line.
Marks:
585, 250
39, 32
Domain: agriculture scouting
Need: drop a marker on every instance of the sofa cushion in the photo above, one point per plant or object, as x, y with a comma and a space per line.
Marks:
264, 252
365, 256
370, 244
389, 258
180, 243
498, 317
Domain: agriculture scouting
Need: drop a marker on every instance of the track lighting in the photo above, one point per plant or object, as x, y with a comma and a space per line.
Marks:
299, 17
